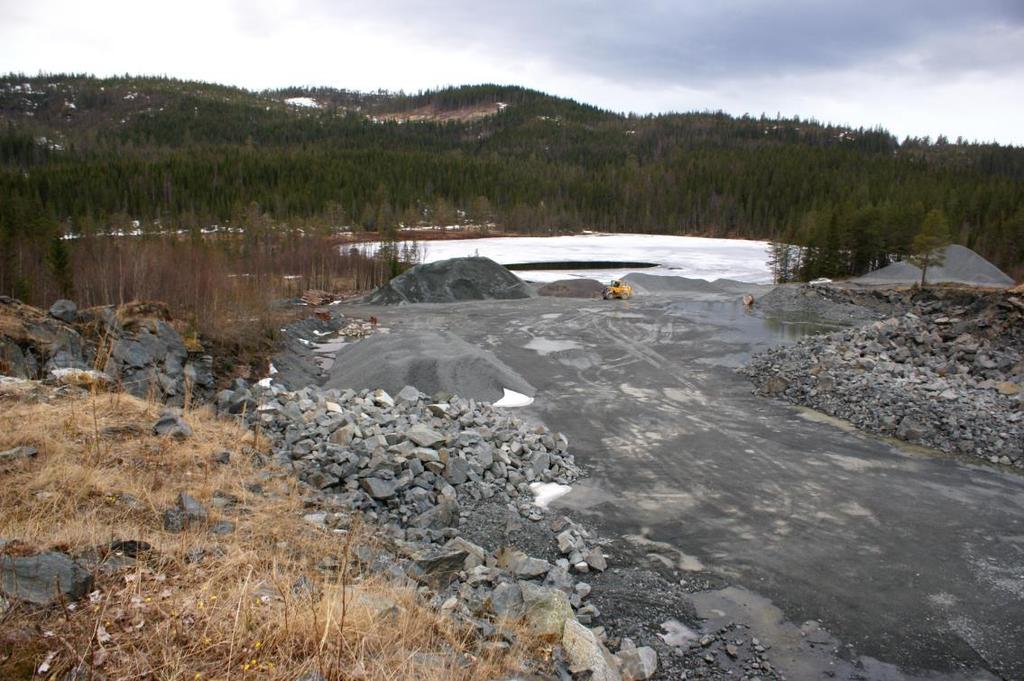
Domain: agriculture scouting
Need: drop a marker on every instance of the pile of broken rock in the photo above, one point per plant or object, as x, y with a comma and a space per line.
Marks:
949, 377
409, 464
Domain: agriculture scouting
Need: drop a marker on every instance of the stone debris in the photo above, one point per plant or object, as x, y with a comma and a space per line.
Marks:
402, 463
944, 374
408, 463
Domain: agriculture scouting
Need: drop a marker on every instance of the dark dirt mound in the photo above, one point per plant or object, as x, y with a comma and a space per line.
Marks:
449, 281
572, 288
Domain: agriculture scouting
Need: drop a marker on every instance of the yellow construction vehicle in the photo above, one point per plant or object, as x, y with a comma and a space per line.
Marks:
618, 289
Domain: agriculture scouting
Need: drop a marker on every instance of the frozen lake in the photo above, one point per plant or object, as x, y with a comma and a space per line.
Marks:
680, 256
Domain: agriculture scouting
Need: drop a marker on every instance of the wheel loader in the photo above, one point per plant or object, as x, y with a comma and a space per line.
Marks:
618, 289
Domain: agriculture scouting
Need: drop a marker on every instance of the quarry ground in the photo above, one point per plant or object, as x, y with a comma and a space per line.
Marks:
852, 557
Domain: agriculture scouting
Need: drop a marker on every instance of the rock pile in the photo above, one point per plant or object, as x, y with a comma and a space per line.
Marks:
408, 459
945, 376
411, 464
817, 303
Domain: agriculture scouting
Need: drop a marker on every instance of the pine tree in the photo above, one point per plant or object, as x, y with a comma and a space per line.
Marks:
927, 249
59, 262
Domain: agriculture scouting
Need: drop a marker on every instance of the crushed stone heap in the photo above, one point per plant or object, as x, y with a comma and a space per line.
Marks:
946, 376
433, 361
450, 281
960, 265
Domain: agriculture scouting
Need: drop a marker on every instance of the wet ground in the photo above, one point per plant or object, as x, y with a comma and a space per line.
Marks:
851, 557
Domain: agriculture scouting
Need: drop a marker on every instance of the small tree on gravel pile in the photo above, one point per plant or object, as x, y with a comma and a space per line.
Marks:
927, 249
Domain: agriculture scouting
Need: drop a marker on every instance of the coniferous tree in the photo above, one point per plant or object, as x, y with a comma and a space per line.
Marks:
930, 242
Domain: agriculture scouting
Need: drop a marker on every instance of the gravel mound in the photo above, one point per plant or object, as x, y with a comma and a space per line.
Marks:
814, 303
961, 266
946, 376
653, 283
572, 288
432, 361
450, 281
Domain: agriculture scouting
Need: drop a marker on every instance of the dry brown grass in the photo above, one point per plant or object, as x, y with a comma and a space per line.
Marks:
235, 614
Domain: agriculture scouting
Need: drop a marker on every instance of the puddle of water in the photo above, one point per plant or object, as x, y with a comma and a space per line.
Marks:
677, 634
750, 325
683, 561
806, 651
547, 346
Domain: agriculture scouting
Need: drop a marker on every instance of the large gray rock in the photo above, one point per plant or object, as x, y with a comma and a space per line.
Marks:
638, 664
378, 488
436, 566
910, 429
547, 610
425, 436
445, 514
586, 653
171, 425
186, 514
64, 310
18, 453
506, 601
45, 578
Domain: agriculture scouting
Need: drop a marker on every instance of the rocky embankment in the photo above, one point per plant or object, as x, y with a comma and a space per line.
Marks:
133, 346
947, 373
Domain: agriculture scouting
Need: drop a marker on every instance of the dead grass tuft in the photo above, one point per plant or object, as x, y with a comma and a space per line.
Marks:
257, 605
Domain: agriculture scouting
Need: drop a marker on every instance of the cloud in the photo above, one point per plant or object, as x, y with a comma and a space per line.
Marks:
916, 66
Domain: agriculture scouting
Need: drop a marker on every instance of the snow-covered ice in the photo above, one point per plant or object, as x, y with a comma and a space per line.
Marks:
680, 256
305, 102
546, 492
513, 399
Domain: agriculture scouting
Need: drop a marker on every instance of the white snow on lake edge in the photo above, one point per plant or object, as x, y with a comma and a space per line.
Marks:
679, 256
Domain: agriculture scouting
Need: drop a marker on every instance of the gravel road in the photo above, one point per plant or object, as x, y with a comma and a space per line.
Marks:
902, 563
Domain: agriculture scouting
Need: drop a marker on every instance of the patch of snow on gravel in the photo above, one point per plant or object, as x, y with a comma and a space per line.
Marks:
546, 492
513, 399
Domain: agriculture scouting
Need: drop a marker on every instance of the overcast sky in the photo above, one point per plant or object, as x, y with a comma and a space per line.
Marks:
917, 67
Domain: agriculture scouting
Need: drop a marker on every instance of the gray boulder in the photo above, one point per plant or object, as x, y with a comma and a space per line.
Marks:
64, 310
425, 436
171, 425
638, 664
378, 488
436, 566
18, 453
45, 578
586, 653
506, 600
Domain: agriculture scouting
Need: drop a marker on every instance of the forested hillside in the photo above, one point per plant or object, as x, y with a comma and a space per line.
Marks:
80, 154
